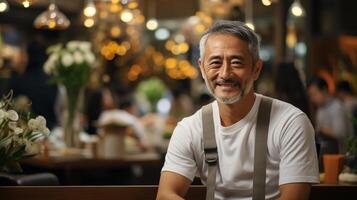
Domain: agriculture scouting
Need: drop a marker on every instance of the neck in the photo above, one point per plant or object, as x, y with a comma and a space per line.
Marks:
232, 113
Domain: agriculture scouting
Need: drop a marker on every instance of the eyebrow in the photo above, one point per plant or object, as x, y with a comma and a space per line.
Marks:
214, 57
239, 57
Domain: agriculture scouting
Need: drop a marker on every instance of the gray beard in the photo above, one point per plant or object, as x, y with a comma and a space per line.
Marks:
229, 100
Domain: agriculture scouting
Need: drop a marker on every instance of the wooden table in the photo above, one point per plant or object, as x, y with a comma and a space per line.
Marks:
323, 192
74, 170
82, 162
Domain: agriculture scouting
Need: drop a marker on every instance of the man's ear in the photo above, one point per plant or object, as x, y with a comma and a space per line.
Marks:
200, 63
257, 69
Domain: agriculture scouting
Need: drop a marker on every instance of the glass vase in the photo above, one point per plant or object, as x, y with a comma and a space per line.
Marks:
72, 114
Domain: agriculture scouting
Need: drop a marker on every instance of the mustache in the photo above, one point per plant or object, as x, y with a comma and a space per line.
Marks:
232, 81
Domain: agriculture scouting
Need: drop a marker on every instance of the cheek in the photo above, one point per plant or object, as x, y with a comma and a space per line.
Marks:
212, 74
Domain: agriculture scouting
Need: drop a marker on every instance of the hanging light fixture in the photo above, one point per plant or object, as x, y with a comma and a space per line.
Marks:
52, 18
26, 3
90, 9
4, 6
296, 9
152, 23
249, 14
266, 2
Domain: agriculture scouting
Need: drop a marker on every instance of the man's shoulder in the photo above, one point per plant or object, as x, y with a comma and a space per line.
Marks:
283, 111
281, 107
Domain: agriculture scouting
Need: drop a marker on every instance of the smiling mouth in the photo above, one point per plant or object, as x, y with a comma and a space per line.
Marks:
231, 85
228, 84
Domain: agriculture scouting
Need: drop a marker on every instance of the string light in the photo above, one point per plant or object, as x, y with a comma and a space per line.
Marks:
152, 24
266, 2
296, 9
89, 10
126, 16
4, 6
26, 3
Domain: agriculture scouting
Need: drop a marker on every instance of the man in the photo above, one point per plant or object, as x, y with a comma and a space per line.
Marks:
229, 62
331, 122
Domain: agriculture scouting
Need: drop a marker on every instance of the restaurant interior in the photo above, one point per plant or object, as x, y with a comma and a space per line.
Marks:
100, 85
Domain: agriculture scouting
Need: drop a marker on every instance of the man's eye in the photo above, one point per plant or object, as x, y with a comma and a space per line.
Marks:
237, 62
215, 63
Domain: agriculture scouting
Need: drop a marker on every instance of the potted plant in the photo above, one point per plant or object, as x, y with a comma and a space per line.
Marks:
19, 135
349, 174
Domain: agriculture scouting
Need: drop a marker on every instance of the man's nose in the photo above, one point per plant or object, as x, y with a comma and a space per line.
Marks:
225, 70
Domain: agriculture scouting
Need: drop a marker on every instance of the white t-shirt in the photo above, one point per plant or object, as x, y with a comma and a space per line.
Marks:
291, 155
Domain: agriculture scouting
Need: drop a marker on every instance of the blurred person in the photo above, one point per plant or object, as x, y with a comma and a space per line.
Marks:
34, 83
129, 107
290, 88
344, 91
230, 64
331, 123
126, 114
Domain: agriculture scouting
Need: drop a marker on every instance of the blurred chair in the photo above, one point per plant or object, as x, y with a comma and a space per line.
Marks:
40, 179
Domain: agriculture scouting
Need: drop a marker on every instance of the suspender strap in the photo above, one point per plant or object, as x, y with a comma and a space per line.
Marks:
260, 149
210, 149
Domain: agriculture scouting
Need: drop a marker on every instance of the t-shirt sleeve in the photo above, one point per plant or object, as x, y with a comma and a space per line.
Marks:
298, 152
180, 157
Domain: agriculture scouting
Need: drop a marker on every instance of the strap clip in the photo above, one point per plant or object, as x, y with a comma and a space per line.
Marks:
211, 156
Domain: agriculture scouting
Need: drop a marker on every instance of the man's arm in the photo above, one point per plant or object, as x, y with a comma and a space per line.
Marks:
172, 186
295, 191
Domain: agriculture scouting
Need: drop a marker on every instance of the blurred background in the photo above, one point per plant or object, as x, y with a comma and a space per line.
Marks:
145, 76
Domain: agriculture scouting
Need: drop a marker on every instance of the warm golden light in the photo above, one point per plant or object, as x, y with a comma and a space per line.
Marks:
200, 28
114, 8
296, 9
126, 44
291, 37
26, 4
115, 31
126, 16
51, 24
120, 50
158, 59
89, 23
175, 50
183, 47
152, 24
266, 2
169, 44
133, 5
170, 63
250, 25
103, 14
4, 6
90, 9
139, 19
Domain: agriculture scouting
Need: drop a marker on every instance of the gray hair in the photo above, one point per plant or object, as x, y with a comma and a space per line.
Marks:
235, 28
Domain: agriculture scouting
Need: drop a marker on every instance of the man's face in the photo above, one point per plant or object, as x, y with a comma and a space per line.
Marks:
316, 96
228, 68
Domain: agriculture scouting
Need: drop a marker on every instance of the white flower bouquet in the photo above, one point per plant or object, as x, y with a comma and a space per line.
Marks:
70, 65
19, 135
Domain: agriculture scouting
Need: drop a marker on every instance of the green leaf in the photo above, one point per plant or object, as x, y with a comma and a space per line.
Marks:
19, 152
